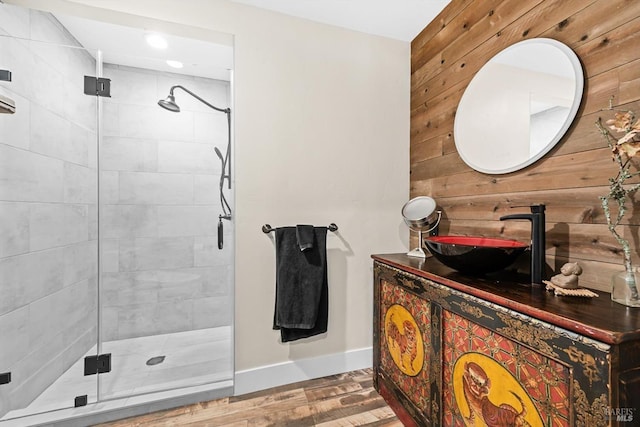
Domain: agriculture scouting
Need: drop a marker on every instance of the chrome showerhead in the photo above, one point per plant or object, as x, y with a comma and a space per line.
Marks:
218, 153
169, 103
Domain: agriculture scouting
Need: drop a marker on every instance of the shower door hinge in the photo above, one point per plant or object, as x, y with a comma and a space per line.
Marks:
5, 378
98, 364
5, 75
98, 86
80, 401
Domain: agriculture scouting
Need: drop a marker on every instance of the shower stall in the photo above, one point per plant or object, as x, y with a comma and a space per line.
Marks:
116, 273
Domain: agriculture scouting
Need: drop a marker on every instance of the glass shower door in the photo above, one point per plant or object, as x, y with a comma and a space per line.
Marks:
48, 217
166, 289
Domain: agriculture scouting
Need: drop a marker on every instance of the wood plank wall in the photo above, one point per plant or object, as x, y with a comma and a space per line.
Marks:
605, 34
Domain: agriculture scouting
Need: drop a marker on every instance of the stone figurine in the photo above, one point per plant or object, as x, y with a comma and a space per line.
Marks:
568, 279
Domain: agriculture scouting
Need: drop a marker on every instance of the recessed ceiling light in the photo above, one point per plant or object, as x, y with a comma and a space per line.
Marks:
156, 41
174, 64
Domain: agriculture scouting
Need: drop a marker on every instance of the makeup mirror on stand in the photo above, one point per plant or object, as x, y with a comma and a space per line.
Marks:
420, 215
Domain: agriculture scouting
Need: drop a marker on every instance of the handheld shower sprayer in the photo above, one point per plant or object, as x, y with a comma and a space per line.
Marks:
220, 233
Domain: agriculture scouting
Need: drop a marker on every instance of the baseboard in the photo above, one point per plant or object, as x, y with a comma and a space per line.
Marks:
265, 377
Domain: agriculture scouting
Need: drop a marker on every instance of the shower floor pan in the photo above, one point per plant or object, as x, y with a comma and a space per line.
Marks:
192, 358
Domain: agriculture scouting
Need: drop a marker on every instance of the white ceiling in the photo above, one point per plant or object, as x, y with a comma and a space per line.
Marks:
128, 46
396, 19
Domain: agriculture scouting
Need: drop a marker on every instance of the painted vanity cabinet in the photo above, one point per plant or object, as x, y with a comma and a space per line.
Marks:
452, 350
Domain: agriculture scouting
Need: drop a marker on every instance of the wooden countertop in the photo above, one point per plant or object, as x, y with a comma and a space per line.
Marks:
598, 318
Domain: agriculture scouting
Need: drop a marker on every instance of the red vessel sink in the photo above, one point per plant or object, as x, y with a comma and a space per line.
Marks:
475, 255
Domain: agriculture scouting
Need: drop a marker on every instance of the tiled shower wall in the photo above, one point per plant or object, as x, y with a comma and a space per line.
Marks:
48, 228
162, 268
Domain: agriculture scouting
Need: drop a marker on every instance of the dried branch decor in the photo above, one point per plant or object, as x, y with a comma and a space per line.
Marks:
623, 149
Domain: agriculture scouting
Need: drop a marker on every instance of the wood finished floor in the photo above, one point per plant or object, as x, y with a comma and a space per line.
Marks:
347, 399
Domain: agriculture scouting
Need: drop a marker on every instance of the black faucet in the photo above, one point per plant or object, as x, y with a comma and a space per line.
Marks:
537, 240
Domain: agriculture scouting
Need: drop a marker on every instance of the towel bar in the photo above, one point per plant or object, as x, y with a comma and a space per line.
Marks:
266, 229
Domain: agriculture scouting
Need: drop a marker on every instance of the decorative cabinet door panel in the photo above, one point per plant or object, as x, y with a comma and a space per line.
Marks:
405, 334
492, 380
555, 377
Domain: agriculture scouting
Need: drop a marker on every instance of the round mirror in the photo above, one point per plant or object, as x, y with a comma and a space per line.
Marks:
518, 106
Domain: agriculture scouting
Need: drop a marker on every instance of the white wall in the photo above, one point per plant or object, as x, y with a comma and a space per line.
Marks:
321, 135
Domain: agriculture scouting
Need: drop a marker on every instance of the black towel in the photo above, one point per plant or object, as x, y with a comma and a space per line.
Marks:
302, 291
305, 236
